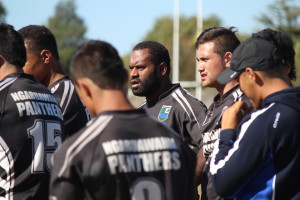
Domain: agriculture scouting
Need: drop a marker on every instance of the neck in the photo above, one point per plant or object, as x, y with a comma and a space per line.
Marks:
165, 86
269, 88
7, 69
222, 89
111, 100
56, 72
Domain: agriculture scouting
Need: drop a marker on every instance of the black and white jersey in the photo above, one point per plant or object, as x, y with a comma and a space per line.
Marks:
211, 128
30, 131
75, 114
178, 109
123, 155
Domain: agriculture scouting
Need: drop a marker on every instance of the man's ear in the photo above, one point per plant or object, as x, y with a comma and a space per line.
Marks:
2, 61
287, 69
250, 73
83, 88
227, 59
254, 76
46, 56
163, 68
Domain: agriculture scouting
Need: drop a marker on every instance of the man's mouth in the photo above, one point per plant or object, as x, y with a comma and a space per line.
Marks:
135, 83
203, 76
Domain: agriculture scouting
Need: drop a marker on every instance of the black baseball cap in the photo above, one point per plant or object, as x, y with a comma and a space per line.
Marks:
255, 53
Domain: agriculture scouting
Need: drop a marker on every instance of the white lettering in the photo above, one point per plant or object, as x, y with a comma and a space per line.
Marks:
21, 108
113, 163
147, 162
139, 145
176, 162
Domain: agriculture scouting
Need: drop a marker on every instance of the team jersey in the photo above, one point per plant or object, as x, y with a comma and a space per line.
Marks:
211, 128
123, 155
74, 112
178, 109
30, 131
261, 158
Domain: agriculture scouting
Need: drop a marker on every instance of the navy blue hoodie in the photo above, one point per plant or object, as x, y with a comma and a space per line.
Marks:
261, 158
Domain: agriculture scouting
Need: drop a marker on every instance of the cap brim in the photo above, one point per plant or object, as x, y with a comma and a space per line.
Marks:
226, 76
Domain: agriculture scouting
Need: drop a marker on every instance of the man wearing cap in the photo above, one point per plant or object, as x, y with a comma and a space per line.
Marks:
259, 158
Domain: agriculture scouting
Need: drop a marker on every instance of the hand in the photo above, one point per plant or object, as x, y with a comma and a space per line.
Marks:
234, 114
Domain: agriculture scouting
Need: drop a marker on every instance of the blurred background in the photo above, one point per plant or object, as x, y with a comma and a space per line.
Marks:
174, 23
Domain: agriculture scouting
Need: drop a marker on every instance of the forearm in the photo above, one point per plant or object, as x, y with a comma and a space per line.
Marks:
199, 166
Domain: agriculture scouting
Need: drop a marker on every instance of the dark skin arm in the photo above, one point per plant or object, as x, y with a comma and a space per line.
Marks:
199, 166
234, 114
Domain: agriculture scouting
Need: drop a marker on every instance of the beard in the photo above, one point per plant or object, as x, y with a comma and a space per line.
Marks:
147, 86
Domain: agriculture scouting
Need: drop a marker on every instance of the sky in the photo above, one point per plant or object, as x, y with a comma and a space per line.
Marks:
124, 23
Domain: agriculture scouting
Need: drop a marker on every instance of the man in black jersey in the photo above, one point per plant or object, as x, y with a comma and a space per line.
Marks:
43, 63
167, 102
30, 124
123, 153
214, 51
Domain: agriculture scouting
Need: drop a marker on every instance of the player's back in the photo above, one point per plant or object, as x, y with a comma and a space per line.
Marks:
124, 155
30, 131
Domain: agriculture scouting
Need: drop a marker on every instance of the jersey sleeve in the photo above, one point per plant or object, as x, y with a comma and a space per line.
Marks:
190, 117
235, 159
65, 183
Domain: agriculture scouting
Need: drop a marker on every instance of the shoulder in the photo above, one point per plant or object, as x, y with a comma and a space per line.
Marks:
183, 96
61, 86
22, 81
81, 139
183, 99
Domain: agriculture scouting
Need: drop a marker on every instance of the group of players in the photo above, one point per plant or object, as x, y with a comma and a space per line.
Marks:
244, 146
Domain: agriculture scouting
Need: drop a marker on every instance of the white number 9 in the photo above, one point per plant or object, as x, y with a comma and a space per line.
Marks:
146, 188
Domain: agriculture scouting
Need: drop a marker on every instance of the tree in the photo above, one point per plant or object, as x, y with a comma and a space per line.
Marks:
284, 15
163, 32
69, 30
2, 12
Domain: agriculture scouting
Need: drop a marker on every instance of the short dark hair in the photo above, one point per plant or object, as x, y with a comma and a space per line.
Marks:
159, 53
100, 62
224, 39
39, 38
284, 44
12, 47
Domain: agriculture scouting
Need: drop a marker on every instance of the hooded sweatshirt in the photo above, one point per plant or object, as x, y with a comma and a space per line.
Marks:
261, 158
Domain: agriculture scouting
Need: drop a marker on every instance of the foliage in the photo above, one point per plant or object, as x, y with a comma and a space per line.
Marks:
163, 32
284, 15
69, 30
2, 12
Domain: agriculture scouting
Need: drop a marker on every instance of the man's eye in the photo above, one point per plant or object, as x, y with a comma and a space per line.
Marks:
140, 67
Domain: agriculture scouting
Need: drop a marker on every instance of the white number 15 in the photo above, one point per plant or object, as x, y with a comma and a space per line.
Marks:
46, 136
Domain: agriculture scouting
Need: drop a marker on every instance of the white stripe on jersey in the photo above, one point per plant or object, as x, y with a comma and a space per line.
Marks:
215, 167
7, 82
6, 163
237, 95
180, 102
142, 104
188, 104
88, 135
65, 93
70, 94
179, 93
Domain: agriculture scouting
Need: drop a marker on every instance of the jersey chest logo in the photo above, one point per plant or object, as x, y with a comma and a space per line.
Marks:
54, 88
164, 113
